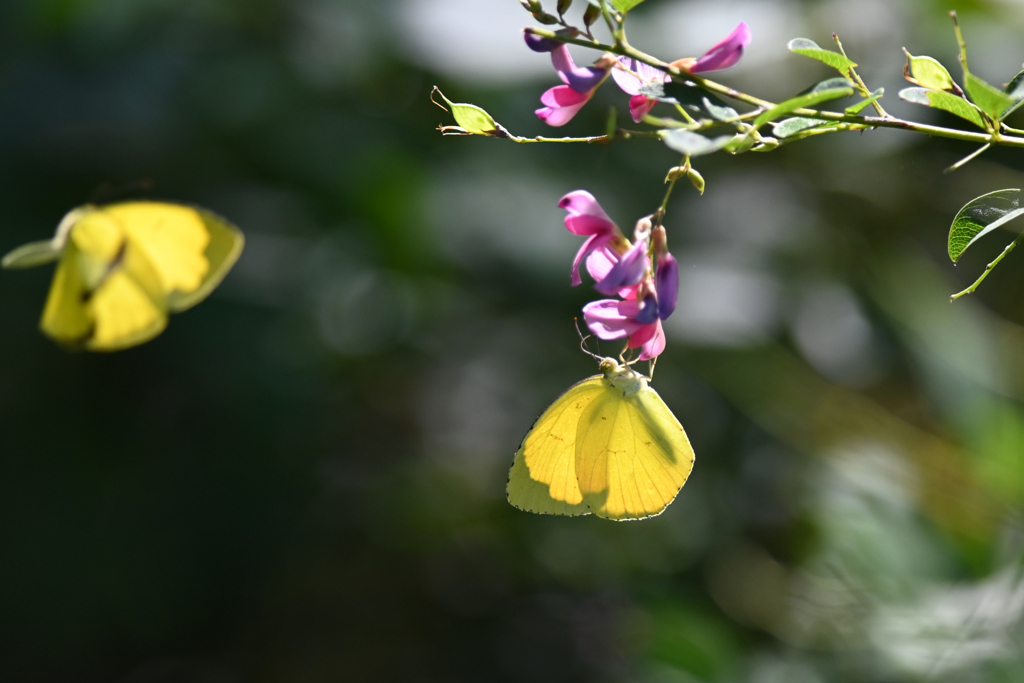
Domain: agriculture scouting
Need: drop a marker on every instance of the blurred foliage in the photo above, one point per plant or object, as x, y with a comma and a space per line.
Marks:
303, 478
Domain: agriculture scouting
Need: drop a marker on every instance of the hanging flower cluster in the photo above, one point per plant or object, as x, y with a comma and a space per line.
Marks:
642, 274
563, 101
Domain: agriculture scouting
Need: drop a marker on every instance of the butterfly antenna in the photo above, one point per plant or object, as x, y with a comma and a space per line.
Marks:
650, 368
583, 341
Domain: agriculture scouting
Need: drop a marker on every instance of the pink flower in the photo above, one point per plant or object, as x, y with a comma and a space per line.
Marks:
563, 101
586, 217
724, 54
635, 319
631, 75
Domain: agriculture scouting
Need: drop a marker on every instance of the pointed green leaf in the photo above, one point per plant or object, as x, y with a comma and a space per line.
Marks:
717, 112
792, 126
943, 100
928, 73
693, 144
989, 99
808, 48
856, 108
624, 5
473, 119
823, 92
31, 255
981, 216
1015, 89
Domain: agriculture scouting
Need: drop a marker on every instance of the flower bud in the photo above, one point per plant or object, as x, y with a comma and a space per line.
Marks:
563, 6
591, 15
696, 179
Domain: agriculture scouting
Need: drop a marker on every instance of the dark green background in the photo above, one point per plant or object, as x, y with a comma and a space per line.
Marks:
303, 478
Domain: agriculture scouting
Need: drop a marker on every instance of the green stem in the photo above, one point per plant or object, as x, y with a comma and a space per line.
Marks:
660, 213
864, 91
619, 134
1007, 250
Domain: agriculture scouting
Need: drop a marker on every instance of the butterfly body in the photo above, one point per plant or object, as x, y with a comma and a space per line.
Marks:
608, 446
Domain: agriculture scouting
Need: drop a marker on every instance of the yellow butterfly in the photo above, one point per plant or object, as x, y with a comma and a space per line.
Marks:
124, 267
609, 446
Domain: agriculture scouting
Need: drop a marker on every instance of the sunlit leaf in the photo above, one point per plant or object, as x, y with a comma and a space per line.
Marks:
808, 48
989, 99
856, 108
943, 100
981, 216
928, 72
694, 144
472, 119
624, 5
826, 90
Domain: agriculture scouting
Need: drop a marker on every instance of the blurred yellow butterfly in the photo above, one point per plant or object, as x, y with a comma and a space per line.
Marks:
609, 446
124, 267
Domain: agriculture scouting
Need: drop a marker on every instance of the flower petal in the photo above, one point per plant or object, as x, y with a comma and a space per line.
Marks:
562, 104
582, 202
640, 106
627, 80
600, 262
588, 225
650, 339
628, 271
594, 242
666, 284
582, 80
538, 44
648, 312
611, 319
726, 53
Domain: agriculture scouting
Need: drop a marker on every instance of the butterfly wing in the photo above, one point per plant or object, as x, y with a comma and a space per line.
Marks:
191, 249
632, 455
543, 475
106, 294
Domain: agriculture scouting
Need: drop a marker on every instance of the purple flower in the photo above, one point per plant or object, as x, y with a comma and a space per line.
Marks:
632, 75
586, 217
666, 284
563, 101
635, 319
724, 54
630, 269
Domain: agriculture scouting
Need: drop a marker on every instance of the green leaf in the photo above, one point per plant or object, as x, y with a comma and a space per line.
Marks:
928, 72
717, 112
792, 126
31, 255
989, 99
684, 94
693, 144
1015, 89
856, 108
624, 5
472, 119
823, 92
943, 100
981, 216
808, 48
